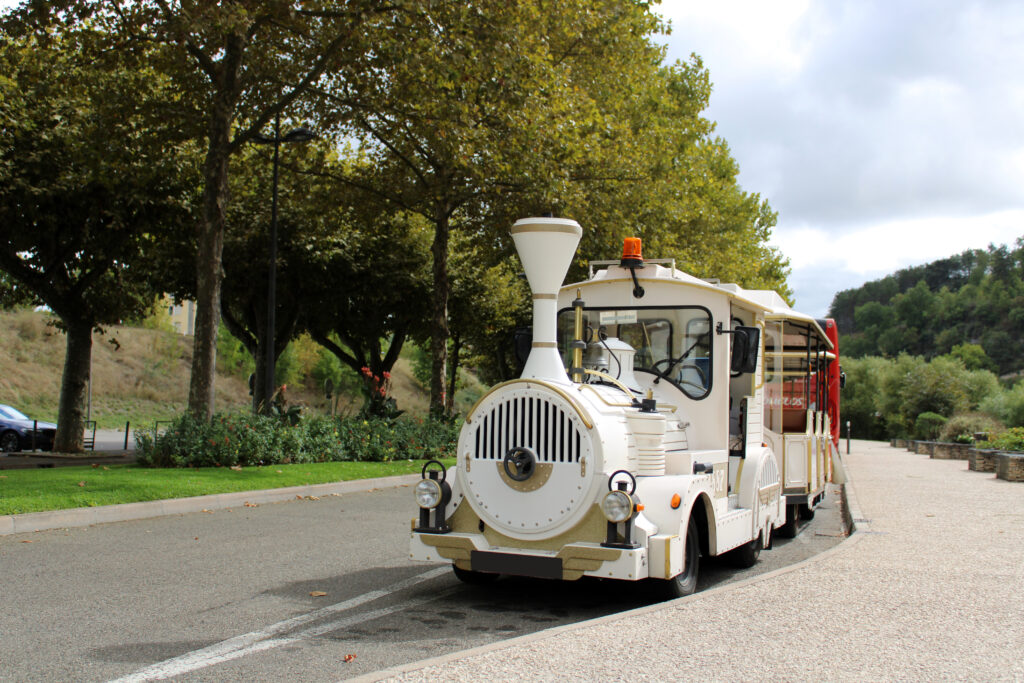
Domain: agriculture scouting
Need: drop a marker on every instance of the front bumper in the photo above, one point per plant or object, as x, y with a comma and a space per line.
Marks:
472, 552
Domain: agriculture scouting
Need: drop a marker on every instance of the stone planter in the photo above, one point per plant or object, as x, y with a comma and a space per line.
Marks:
942, 451
924, 447
899, 443
911, 446
1010, 466
982, 459
961, 450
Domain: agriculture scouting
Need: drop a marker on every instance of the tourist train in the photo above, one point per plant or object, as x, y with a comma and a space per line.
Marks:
659, 418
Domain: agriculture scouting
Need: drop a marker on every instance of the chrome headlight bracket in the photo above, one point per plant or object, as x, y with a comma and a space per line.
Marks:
432, 520
620, 533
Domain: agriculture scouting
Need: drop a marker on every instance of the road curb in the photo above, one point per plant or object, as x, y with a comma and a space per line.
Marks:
856, 534
79, 517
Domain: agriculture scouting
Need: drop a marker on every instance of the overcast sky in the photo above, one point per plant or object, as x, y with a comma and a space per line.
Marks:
885, 133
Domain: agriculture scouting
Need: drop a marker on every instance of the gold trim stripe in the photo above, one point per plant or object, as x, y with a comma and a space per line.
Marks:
547, 227
545, 345
552, 297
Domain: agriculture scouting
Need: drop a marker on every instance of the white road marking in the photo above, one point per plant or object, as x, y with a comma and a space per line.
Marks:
258, 641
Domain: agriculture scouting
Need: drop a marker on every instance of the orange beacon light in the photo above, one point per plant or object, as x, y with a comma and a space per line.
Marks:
632, 253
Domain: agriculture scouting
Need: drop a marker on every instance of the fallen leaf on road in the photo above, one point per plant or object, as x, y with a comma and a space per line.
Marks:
207, 511
251, 505
349, 659
314, 497
317, 594
28, 541
298, 497
196, 538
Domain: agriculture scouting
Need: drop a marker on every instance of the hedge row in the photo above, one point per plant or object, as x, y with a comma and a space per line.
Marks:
243, 439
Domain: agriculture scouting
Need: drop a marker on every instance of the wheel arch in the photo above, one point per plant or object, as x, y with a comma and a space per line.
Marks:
703, 513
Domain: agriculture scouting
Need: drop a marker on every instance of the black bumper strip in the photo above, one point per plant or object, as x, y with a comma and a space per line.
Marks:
517, 565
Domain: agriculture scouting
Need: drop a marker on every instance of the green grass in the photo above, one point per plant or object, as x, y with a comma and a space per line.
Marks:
39, 490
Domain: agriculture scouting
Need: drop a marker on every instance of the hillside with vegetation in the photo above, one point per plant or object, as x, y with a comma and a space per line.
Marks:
935, 351
976, 298
140, 374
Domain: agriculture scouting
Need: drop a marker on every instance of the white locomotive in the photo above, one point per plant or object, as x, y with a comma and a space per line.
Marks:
654, 447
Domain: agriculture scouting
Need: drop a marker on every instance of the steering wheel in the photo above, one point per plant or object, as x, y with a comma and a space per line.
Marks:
672, 362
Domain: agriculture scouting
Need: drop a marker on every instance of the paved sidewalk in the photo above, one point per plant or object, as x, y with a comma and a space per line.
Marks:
930, 587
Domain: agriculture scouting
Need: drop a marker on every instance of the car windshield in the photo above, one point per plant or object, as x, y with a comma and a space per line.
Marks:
12, 414
673, 341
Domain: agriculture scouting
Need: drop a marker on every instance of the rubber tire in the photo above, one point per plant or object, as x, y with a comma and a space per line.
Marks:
474, 578
788, 530
685, 583
8, 439
746, 555
806, 512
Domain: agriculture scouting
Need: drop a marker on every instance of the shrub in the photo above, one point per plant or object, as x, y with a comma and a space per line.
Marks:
245, 439
961, 428
1007, 405
927, 426
1010, 440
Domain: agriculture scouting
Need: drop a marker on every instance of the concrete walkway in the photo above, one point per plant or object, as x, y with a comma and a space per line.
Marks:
930, 587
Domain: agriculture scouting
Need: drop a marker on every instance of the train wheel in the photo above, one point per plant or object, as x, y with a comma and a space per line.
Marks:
746, 555
806, 512
788, 530
685, 583
474, 578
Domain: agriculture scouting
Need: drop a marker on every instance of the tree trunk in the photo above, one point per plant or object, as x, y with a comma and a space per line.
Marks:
453, 375
201, 389
73, 387
439, 316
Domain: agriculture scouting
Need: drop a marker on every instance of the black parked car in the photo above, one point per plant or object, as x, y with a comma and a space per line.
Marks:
16, 431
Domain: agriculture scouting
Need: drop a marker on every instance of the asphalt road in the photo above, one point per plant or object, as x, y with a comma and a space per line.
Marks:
226, 596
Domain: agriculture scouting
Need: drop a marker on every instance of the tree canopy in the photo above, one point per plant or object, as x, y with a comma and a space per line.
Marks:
86, 193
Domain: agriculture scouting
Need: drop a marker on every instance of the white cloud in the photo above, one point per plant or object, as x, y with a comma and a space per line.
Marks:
889, 133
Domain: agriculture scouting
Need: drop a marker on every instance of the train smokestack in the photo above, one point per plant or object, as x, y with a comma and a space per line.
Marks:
546, 247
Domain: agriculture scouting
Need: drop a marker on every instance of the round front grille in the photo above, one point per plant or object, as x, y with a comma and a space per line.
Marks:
558, 491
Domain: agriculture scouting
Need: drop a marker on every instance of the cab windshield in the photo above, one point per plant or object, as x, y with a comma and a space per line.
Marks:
672, 342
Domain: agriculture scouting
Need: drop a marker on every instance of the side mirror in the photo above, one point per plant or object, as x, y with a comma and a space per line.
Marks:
842, 378
746, 344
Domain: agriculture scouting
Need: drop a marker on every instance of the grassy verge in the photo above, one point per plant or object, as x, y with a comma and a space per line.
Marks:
60, 488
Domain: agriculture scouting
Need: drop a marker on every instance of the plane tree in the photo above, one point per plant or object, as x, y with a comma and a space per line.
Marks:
466, 104
236, 65
86, 193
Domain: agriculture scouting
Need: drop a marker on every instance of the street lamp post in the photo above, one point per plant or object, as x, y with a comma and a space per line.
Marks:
300, 134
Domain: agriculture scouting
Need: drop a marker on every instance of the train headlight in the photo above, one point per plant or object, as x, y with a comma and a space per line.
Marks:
617, 506
428, 493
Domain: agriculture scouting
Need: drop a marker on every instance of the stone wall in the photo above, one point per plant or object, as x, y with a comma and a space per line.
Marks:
1010, 466
982, 460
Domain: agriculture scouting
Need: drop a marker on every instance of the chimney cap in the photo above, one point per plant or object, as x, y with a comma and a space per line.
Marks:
566, 225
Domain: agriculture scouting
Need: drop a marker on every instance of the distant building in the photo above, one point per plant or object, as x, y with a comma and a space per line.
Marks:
183, 316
